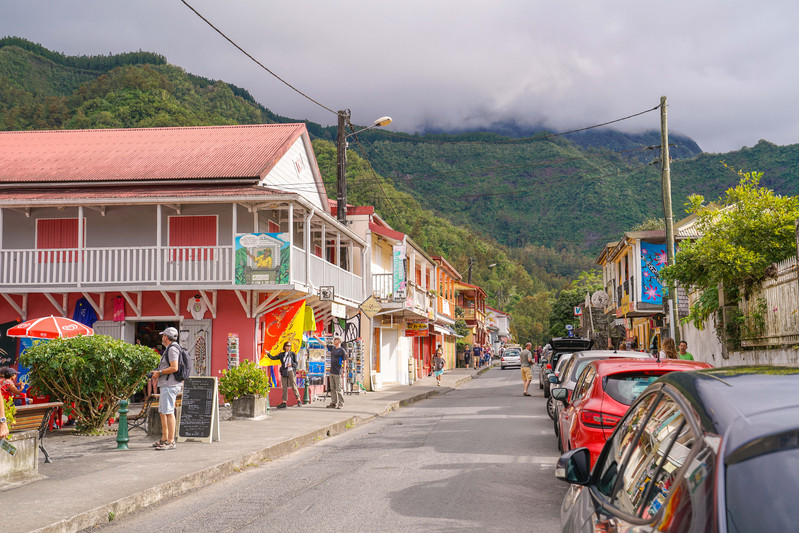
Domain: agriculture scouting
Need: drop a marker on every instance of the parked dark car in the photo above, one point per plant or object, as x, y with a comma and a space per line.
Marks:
560, 346
711, 450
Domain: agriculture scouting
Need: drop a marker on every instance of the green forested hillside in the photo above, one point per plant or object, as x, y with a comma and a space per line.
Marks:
539, 208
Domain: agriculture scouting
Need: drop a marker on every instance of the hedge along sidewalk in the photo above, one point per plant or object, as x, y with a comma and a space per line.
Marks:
91, 482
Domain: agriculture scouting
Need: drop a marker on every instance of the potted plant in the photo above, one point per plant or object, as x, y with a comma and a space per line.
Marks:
246, 388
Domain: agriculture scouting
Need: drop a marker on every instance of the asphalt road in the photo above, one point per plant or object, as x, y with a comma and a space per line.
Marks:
480, 458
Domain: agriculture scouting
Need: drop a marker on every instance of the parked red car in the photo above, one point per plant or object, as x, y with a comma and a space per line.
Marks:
602, 395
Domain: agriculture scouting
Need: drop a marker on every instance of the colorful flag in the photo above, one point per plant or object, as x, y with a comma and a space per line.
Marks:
284, 324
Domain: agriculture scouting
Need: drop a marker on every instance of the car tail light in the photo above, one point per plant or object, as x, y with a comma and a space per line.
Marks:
596, 419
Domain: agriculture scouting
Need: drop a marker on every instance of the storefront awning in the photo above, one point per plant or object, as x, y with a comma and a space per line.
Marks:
445, 330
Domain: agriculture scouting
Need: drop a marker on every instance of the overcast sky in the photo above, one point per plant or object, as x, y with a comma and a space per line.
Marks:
728, 67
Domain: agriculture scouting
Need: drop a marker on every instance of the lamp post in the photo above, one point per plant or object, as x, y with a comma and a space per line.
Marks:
341, 158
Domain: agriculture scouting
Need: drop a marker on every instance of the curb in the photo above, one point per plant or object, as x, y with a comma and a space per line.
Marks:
130, 504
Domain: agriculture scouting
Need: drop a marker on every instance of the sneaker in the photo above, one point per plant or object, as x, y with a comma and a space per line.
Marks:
331, 406
338, 407
299, 404
158, 443
282, 405
439, 383
166, 446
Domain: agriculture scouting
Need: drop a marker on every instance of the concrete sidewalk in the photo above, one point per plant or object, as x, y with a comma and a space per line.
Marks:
91, 482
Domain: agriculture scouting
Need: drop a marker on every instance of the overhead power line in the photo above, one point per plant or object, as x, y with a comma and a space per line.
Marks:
243, 51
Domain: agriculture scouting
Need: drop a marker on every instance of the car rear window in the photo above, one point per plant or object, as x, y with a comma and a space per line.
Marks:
512, 353
625, 388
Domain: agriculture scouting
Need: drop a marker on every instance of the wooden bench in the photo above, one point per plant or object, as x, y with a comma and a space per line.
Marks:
139, 420
36, 416
149, 413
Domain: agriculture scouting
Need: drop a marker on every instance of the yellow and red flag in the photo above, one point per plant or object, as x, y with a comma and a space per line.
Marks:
284, 324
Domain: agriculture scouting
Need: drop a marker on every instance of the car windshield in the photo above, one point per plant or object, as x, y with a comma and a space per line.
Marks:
769, 508
512, 353
625, 388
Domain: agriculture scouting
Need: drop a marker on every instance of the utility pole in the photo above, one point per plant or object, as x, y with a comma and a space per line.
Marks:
341, 165
665, 177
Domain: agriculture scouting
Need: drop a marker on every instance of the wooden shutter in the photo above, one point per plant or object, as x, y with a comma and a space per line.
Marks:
194, 232
57, 234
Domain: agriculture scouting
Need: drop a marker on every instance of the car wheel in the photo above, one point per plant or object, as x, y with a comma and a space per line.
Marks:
551, 407
546, 392
540, 385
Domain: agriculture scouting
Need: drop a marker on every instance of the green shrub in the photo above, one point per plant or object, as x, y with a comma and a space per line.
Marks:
10, 410
91, 375
247, 378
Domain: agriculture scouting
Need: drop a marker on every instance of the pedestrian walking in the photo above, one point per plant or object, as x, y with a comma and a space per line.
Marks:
538, 352
338, 365
467, 356
668, 349
476, 356
169, 388
527, 361
288, 372
438, 365
683, 351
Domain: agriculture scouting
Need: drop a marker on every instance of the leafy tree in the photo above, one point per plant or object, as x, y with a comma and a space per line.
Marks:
562, 306
89, 374
754, 229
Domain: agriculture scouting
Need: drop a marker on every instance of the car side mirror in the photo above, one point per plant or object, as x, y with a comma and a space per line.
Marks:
561, 394
574, 466
553, 378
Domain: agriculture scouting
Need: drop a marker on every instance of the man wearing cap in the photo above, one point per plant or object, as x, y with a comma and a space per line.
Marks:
338, 365
169, 387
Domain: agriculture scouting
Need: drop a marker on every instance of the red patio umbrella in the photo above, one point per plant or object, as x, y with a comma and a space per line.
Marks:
50, 327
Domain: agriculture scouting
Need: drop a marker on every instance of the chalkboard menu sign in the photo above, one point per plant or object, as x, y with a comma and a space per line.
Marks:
199, 413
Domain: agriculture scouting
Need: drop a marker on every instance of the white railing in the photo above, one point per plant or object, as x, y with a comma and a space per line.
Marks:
127, 265
345, 284
150, 265
383, 286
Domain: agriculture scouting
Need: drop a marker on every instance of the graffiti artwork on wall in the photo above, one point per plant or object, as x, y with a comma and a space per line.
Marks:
349, 330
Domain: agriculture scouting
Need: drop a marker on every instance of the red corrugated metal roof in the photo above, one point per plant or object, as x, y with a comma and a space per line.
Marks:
386, 232
94, 195
144, 154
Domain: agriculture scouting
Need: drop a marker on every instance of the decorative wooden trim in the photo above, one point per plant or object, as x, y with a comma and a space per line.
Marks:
245, 299
99, 309
61, 308
22, 308
135, 306
173, 304
210, 303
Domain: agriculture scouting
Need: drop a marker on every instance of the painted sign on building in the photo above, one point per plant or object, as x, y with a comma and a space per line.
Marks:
261, 258
400, 288
653, 259
416, 328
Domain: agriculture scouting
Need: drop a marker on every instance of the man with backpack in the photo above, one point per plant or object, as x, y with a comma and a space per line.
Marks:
169, 386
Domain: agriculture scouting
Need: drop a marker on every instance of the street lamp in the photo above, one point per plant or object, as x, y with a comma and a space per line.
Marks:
341, 158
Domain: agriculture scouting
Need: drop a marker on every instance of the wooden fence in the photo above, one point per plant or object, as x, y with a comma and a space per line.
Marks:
771, 312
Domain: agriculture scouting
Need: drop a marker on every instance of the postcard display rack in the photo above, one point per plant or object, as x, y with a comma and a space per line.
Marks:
232, 350
354, 368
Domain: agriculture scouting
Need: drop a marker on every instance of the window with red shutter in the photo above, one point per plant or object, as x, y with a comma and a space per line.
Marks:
60, 237
192, 236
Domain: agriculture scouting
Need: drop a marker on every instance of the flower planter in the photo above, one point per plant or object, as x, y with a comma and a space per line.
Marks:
251, 406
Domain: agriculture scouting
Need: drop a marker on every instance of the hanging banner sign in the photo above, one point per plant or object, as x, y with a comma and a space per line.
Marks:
416, 328
653, 259
400, 288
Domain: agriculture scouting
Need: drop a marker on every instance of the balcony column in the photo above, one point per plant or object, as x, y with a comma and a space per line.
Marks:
307, 243
291, 241
338, 249
159, 250
80, 262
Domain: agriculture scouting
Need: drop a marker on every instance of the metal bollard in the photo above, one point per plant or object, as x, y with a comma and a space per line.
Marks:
122, 431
